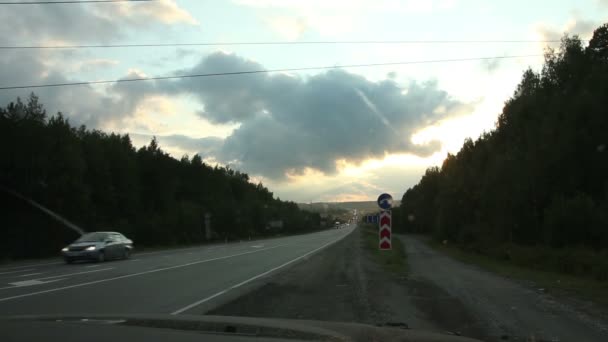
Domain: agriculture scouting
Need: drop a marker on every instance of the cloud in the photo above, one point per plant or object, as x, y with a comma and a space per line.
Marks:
83, 104
388, 176
352, 5
575, 26
490, 65
94, 64
226, 99
50, 25
163, 11
336, 17
290, 28
285, 124
87, 24
56, 23
349, 192
181, 53
290, 123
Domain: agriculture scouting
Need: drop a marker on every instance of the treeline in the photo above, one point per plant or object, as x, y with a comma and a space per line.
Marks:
539, 180
100, 181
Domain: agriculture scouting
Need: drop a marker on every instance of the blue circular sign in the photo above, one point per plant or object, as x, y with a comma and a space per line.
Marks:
385, 201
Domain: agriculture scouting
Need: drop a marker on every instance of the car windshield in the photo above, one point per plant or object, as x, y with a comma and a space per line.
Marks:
93, 237
440, 165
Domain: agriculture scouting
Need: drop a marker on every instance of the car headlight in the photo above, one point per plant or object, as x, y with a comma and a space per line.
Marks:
90, 248
65, 249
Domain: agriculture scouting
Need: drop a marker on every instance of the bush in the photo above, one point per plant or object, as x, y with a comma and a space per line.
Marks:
576, 261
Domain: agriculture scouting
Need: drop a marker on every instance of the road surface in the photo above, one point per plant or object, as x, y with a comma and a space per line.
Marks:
188, 281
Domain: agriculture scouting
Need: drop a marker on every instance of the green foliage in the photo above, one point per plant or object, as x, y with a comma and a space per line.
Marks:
532, 264
394, 260
100, 181
541, 177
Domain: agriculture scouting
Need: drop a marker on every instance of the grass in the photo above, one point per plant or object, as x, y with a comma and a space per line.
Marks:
393, 260
558, 284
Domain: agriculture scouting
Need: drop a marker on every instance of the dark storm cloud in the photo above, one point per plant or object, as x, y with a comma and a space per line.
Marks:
226, 99
290, 123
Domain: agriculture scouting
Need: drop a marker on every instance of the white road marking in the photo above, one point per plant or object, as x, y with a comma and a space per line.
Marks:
31, 265
257, 246
32, 282
77, 273
40, 281
188, 307
28, 270
134, 274
29, 274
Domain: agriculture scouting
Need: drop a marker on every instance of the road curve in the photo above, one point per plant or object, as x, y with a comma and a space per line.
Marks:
191, 280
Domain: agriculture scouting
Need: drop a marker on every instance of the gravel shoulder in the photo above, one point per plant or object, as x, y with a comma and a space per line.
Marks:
344, 283
501, 306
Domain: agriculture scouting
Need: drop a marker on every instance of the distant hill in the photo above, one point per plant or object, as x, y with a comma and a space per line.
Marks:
361, 207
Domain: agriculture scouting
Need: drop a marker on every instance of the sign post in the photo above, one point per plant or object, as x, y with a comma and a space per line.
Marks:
385, 242
208, 226
385, 202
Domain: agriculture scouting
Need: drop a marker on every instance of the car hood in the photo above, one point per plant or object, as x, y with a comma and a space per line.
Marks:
214, 328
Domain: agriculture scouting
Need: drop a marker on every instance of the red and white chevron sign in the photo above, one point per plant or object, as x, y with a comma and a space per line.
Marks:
385, 230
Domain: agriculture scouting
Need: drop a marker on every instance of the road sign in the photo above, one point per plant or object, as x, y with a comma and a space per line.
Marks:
384, 233
371, 218
385, 201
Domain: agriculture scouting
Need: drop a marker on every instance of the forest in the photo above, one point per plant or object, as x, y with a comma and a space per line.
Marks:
100, 181
534, 190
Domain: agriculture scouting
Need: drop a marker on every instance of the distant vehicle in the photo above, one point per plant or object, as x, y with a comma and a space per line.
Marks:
98, 246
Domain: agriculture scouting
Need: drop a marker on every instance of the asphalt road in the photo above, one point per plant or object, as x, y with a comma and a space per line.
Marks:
188, 281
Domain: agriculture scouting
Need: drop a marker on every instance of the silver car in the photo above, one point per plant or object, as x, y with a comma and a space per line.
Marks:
98, 246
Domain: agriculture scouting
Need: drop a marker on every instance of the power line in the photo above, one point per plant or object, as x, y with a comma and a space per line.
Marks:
347, 42
68, 2
157, 78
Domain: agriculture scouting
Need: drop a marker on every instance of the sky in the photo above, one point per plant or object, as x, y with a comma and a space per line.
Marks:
343, 134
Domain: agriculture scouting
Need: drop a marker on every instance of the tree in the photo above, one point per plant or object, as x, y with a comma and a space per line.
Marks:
541, 176
100, 182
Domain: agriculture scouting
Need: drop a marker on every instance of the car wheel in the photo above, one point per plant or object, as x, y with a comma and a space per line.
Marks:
101, 257
126, 254
68, 260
